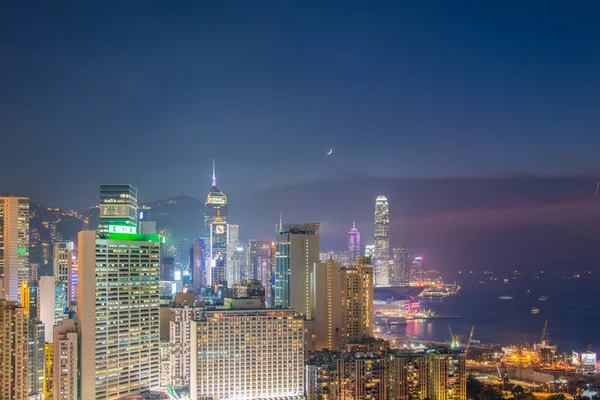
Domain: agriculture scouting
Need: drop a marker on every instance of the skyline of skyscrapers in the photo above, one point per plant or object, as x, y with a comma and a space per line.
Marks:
381, 242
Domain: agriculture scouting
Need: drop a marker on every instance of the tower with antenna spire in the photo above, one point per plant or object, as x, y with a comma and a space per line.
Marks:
353, 243
216, 204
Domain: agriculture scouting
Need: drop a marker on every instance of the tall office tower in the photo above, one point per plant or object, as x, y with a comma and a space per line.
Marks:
408, 376
216, 204
180, 318
297, 250
36, 359
48, 370
63, 258
118, 314
400, 267
14, 378
64, 369
343, 299
14, 245
416, 272
29, 299
232, 245
362, 375
118, 208
217, 244
197, 264
446, 375
260, 265
353, 244
228, 362
381, 252
53, 303
370, 251
237, 265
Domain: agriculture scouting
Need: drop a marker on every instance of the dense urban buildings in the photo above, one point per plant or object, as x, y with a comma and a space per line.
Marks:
353, 244
14, 243
197, 264
408, 375
260, 265
343, 297
247, 354
118, 208
446, 374
381, 243
296, 252
118, 314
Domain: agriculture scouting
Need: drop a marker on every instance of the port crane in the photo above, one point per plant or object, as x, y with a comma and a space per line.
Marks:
469, 340
502, 373
544, 332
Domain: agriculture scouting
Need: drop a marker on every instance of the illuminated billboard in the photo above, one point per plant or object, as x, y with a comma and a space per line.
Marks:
122, 229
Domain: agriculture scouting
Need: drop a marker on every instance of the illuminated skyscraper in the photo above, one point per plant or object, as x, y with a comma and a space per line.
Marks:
370, 251
353, 244
408, 375
416, 272
247, 354
118, 208
233, 261
216, 204
217, 243
53, 305
63, 256
14, 348
381, 256
197, 264
14, 245
180, 318
297, 249
118, 314
343, 297
400, 267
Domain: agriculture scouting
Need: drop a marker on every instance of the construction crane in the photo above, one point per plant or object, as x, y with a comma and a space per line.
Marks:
526, 341
451, 336
544, 332
469, 340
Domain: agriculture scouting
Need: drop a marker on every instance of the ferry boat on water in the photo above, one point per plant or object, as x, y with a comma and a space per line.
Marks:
443, 291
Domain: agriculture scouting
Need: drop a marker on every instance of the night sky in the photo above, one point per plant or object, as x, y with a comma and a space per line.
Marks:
479, 120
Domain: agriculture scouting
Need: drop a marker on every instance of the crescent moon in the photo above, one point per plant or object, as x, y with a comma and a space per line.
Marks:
330, 151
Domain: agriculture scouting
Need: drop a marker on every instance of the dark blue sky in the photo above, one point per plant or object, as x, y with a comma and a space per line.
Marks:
148, 93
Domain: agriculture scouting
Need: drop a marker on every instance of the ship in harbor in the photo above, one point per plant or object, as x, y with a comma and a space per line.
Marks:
442, 291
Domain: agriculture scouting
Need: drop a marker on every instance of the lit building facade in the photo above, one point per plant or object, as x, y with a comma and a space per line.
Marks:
261, 266
297, 250
218, 256
362, 375
35, 359
197, 264
370, 250
215, 206
14, 377
63, 258
400, 267
120, 346
321, 380
118, 208
343, 299
446, 375
247, 354
353, 244
180, 320
408, 376
14, 243
64, 369
381, 251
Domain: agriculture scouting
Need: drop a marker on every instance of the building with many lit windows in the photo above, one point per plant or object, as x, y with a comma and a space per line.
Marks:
216, 204
407, 376
181, 316
14, 378
416, 272
247, 354
217, 253
118, 208
400, 267
14, 243
118, 314
63, 257
197, 264
446, 375
381, 243
353, 244
64, 369
343, 303
297, 249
